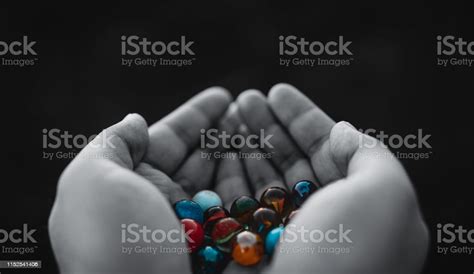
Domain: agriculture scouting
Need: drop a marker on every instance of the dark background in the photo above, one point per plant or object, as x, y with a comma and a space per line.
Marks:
392, 85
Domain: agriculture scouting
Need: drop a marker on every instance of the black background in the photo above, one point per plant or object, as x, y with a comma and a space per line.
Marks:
392, 85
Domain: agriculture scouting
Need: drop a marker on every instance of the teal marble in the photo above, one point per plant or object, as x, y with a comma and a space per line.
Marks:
207, 199
272, 239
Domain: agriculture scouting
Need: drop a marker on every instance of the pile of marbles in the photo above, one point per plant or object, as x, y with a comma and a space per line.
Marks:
244, 234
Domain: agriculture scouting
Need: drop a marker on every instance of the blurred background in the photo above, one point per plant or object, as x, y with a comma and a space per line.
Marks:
392, 85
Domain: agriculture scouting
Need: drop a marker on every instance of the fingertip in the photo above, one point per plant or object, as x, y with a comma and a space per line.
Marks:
343, 136
231, 119
134, 131
218, 93
282, 92
137, 123
124, 143
249, 95
250, 100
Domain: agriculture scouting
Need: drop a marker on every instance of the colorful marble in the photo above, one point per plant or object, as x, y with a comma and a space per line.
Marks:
242, 209
264, 220
224, 232
248, 248
210, 260
187, 209
272, 239
195, 233
207, 199
212, 215
277, 199
302, 190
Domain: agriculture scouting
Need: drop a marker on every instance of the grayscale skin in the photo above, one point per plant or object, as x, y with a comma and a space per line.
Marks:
149, 168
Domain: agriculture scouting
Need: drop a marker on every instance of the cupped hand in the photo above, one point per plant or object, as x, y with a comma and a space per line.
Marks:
366, 192
132, 179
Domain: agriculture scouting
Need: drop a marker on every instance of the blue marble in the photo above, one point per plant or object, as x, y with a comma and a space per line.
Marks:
210, 260
207, 199
187, 209
272, 239
301, 191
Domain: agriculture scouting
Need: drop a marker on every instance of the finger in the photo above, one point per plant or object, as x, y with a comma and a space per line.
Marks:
196, 173
230, 180
124, 143
287, 157
231, 121
98, 193
176, 135
260, 173
374, 186
307, 124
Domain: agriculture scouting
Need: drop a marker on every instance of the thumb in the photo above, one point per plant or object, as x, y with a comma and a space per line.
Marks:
124, 143
99, 195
